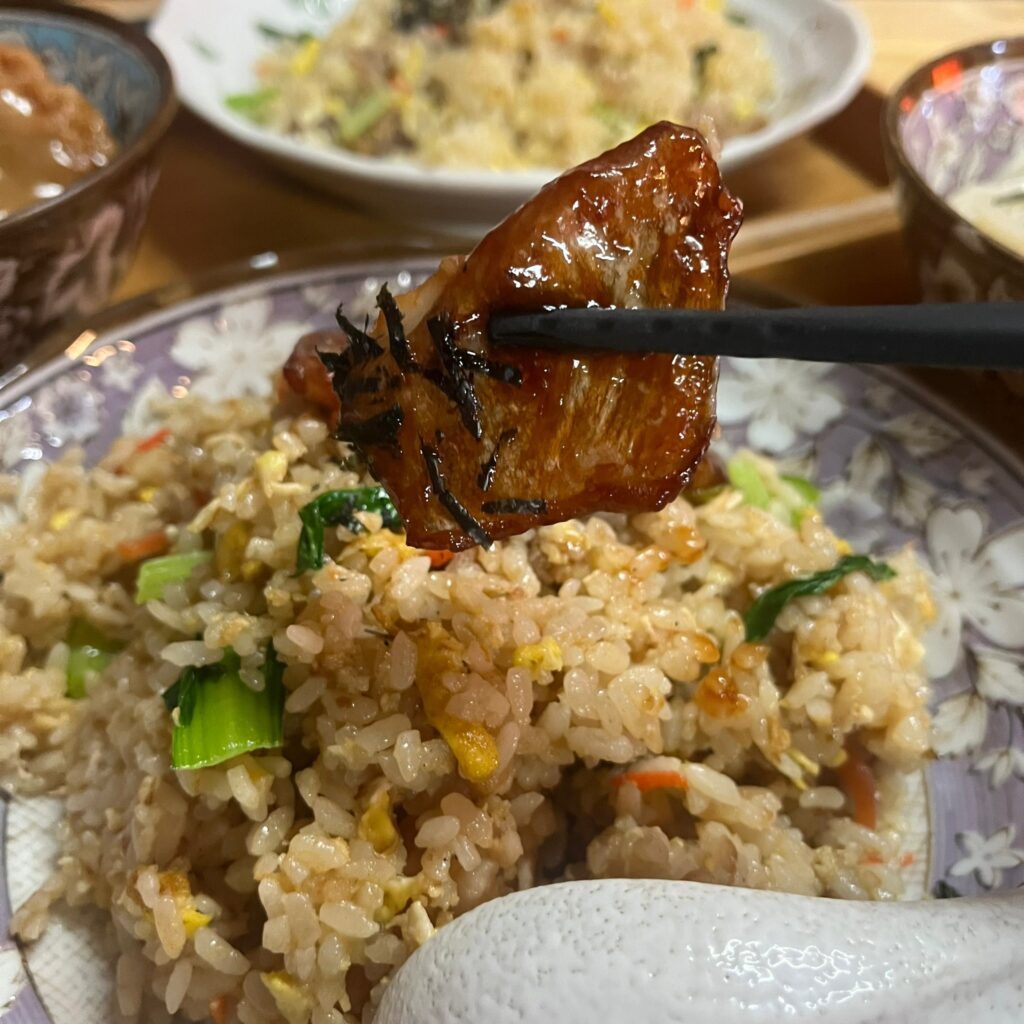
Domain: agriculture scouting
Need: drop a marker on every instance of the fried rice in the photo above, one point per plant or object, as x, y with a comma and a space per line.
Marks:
577, 702
519, 84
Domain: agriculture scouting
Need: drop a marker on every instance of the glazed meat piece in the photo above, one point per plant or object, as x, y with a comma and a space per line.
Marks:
476, 443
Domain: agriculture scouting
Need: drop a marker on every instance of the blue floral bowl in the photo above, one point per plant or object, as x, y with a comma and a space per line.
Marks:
61, 257
957, 121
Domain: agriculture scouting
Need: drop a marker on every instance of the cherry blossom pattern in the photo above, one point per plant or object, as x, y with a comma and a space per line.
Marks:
84, 272
16, 435
68, 410
959, 724
12, 318
1001, 763
922, 434
236, 352
141, 417
976, 478
12, 978
999, 681
780, 401
978, 582
988, 858
120, 371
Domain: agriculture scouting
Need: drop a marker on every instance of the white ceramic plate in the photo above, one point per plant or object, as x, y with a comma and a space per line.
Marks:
821, 47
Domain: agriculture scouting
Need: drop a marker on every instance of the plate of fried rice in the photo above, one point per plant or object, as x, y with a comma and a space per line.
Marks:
453, 112
253, 760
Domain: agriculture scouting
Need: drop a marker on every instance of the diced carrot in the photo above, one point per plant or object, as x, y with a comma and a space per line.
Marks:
153, 441
439, 559
560, 35
147, 546
646, 781
872, 857
219, 1008
858, 782
906, 860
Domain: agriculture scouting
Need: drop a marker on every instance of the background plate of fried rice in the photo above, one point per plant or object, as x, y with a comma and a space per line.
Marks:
821, 49
895, 466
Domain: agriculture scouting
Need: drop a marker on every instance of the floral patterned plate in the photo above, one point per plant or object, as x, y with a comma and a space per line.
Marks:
895, 463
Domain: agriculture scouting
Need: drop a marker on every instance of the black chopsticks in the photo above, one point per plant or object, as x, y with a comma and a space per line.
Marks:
982, 334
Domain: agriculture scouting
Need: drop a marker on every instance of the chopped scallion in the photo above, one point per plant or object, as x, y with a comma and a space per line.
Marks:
220, 717
364, 115
786, 497
156, 574
745, 475
803, 487
89, 651
252, 105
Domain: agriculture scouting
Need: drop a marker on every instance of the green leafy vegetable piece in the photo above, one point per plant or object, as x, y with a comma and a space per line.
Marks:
736, 19
280, 35
364, 115
338, 508
252, 105
942, 890
219, 717
762, 614
89, 651
746, 477
701, 56
157, 574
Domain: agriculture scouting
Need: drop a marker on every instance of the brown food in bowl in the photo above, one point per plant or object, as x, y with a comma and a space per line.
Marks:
50, 134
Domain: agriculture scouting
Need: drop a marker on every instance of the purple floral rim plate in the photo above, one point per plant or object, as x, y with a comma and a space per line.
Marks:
894, 462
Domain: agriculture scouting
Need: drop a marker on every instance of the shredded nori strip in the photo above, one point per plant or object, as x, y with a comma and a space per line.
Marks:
400, 348
362, 346
456, 380
515, 506
457, 368
335, 362
458, 511
381, 429
368, 385
490, 467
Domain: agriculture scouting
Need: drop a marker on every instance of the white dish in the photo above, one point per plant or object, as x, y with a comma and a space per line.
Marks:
821, 47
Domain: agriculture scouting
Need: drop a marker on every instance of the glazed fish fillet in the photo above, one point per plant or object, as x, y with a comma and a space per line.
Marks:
476, 442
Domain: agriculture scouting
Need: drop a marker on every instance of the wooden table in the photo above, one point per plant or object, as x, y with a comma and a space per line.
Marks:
217, 203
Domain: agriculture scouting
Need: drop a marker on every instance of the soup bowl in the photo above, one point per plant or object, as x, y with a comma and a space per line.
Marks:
61, 257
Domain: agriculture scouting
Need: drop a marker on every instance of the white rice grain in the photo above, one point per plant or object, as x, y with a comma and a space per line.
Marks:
218, 953
439, 831
347, 920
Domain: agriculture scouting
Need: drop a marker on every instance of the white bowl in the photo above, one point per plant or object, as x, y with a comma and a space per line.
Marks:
822, 49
